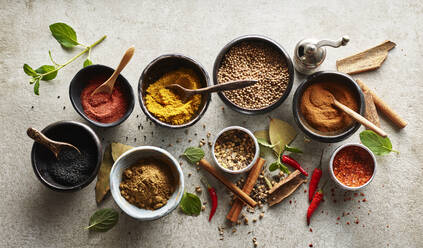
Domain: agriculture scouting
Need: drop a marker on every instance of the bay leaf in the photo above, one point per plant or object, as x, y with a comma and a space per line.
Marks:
102, 186
262, 134
280, 134
118, 149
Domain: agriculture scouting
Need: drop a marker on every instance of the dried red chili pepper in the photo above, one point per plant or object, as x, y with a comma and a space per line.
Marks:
292, 162
315, 179
318, 197
213, 197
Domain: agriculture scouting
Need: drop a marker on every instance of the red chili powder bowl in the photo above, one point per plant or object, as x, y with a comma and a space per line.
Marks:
353, 165
102, 107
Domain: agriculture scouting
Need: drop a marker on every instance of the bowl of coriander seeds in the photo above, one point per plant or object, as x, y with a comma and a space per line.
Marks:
259, 58
235, 150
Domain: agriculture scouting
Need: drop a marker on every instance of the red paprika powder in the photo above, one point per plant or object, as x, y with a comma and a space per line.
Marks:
353, 166
102, 107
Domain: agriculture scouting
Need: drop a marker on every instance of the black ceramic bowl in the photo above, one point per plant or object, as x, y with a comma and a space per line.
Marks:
81, 79
164, 64
332, 76
271, 43
77, 134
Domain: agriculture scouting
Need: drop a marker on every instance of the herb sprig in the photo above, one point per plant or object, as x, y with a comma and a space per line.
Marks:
377, 144
66, 36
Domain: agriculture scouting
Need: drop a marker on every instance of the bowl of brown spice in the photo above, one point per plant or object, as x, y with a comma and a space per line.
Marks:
147, 182
314, 110
254, 57
164, 106
235, 150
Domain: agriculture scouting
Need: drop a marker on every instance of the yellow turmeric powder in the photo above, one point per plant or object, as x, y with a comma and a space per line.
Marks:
166, 105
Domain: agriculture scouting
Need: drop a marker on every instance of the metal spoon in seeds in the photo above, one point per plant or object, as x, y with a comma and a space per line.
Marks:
185, 93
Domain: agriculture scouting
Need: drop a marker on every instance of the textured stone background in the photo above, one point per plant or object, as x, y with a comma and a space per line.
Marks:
34, 216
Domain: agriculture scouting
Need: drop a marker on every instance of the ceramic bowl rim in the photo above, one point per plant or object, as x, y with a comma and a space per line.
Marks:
114, 189
256, 154
320, 137
204, 73
254, 37
131, 101
332, 174
83, 184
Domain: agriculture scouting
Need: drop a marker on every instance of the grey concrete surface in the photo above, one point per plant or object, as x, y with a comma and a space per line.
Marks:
33, 216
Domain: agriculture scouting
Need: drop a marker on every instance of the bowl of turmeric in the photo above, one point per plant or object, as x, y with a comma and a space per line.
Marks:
314, 110
164, 106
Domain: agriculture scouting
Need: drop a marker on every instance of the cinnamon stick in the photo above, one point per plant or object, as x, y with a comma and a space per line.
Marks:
285, 188
371, 111
248, 187
383, 107
231, 186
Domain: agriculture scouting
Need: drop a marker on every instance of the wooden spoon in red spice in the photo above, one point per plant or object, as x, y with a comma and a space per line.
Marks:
107, 87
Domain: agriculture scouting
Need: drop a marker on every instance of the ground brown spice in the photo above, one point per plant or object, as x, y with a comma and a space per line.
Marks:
318, 109
148, 184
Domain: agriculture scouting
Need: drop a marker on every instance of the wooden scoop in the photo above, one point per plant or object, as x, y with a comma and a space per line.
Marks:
107, 87
54, 146
185, 93
359, 118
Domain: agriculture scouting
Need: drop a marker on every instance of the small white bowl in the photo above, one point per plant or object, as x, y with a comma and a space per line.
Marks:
256, 155
332, 174
133, 156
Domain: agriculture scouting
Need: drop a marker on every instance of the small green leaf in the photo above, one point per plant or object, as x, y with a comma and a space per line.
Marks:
103, 220
292, 149
46, 69
284, 168
87, 62
194, 154
64, 34
29, 71
273, 166
265, 143
37, 86
377, 144
190, 204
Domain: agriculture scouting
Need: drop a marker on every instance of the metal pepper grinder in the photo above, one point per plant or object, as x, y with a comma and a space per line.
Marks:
309, 54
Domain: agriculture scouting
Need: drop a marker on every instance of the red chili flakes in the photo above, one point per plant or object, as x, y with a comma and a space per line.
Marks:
337, 223
310, 245
338, 218
353, 166
348, 222
305, 191
362, 194
364, 200
290, 202
356, 221
355, 194
311, 230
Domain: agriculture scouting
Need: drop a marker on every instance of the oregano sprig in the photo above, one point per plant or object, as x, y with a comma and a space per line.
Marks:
66, 36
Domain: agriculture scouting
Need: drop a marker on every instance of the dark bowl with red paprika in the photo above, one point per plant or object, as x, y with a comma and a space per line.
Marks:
104, 113
159, 67
68, 173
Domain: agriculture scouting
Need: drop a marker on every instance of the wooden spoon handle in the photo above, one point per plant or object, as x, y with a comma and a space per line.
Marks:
123, 62
227, 86
237, 191
360, 118
42, 139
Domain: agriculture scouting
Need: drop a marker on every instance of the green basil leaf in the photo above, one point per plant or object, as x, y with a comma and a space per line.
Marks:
103, 220
194, 154
190, 204
273, 166
45, 69
37, 86
87, 62
64, 34
377, 144
29, 71
264, 143
292, 149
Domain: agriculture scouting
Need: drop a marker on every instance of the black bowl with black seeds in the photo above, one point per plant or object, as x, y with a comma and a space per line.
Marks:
72, 170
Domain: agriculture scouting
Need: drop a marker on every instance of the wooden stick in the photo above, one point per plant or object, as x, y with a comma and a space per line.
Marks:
383, 107
248, 187
237, 191
360, 118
